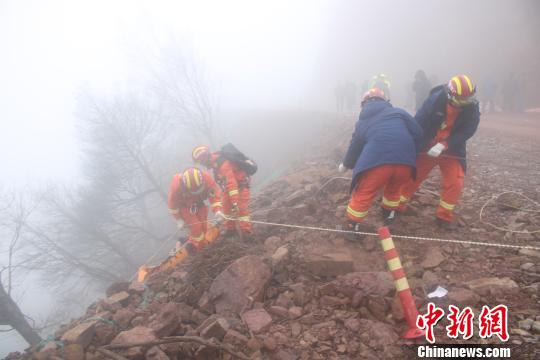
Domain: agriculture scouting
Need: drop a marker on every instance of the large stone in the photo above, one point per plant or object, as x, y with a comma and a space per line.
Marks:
105, 332
361, 284
279, 311
283, 355
377, 306
136, 287
295, 312
216, 329
116, 301
257, 320
167, 321
330, 264
239, 284
235, 338
116, 287
434, 257
73, 352
463, 297
272, 243
136, 335
377, 335
124, 316
155, 353
81, 334
301, 294
529, 252
280, 256
205, 304
493, 285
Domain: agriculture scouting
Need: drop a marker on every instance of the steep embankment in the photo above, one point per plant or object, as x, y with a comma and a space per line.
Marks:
297, 293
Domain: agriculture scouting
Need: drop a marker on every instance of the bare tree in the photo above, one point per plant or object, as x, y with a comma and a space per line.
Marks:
10, 313
182, 88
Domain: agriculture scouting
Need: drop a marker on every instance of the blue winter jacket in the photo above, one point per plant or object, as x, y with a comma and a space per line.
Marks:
432, 114
383, 135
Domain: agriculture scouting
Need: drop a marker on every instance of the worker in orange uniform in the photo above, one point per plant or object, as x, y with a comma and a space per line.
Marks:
449, 117
188, 193
382, 153
234, 182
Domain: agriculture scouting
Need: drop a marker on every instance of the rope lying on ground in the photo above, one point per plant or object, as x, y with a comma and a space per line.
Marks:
495, 197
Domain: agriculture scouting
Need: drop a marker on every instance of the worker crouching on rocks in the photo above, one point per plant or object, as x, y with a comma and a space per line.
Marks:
232, 170
382, 154
448, 117
188, 193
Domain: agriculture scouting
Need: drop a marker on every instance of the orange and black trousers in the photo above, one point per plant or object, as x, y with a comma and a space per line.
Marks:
388, 178
451, 183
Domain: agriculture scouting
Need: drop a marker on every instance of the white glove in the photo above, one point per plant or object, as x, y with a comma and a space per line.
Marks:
436, 150
179, 224
341, 168
219, 217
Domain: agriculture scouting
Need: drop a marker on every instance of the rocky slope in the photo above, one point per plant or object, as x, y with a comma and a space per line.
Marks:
292, 293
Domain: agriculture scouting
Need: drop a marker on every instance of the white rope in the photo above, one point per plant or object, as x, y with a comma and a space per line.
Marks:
477, 243
495, 197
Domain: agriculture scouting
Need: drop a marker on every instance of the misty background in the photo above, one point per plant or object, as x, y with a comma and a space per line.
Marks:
77, 78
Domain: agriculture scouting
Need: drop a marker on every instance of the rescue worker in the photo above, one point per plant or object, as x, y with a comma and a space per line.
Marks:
188, 193
381, 81
382, 153
234, 182
448, 117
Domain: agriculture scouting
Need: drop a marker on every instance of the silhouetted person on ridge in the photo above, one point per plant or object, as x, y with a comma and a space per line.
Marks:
421, 87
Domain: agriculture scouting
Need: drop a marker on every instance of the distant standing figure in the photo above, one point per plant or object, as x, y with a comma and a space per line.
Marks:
381, 81
350, 95
339, 93
421, 86
489, 91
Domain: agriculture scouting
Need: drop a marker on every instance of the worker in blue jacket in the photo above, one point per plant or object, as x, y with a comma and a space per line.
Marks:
382, 153
448, 117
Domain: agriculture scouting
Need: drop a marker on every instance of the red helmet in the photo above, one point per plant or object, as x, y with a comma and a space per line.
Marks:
372, 94
193, 181
461, 90
201, 154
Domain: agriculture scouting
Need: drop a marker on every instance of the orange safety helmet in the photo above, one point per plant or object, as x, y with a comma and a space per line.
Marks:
193, 181
461, 91
201, 154
372, 94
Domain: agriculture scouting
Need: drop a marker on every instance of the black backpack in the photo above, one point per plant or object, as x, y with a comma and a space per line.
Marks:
231, 153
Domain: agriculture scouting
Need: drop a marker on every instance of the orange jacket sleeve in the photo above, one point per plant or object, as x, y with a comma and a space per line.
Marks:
227, 171
214, 193
173, 200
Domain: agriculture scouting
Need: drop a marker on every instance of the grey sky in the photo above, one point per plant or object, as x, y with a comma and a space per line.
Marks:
53, 49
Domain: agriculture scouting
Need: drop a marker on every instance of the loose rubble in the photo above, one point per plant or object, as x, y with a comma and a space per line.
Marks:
300, 294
